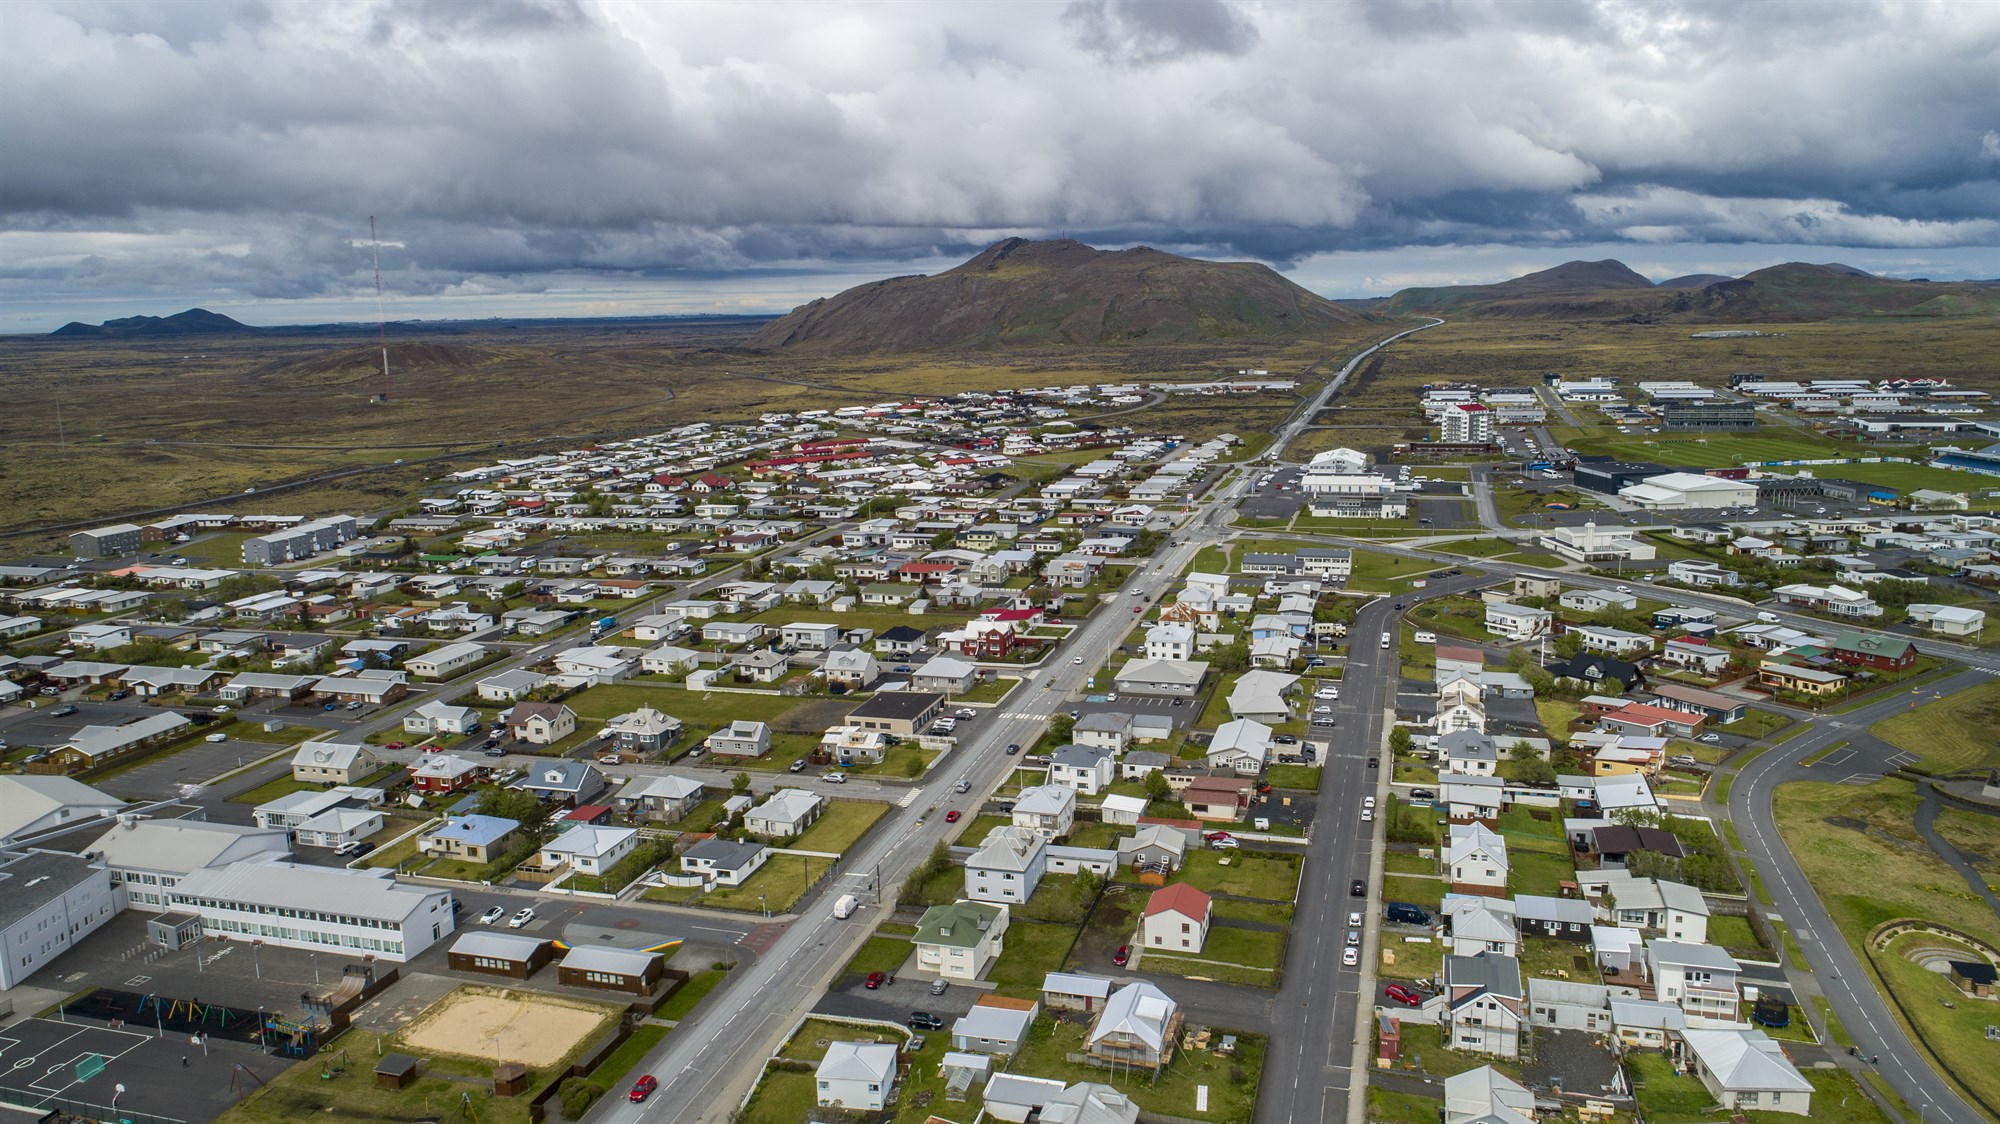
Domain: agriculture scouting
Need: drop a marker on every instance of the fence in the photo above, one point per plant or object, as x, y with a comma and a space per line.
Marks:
49, 1103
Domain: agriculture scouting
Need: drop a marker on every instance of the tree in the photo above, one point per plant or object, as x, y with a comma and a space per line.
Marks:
740, 782
1399, 739
1157, 787
1522, 751
1568, 645
1234, 656
1061, 728
514, 804
1534, 771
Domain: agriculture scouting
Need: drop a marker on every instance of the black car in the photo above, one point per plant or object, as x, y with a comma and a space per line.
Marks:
63, 711
1358, 888
1013, 748
363, 849
1374, 762
924, 1020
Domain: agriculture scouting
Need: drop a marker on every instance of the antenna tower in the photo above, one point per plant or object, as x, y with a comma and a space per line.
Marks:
381, 325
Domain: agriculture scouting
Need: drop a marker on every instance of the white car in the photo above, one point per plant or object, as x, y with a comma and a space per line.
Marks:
1711, 738
1322, 710
526, 915
1367, 815
493, 913
1353, 936
1354, 920
1077, 660
1368, 802
1326, 693
1350, 956
833, 778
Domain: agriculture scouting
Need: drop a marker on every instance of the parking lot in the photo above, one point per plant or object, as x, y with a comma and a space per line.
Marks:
849, 997
198, 762
1445, 513
1272, 501
1181, 715
39, 726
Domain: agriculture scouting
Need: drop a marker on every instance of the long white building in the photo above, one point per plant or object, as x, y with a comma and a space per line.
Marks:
48, 902
316, 907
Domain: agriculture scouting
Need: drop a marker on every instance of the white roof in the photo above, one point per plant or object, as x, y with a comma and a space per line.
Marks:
1047, 800
35, 801
1076, 983
1001, 1024
664, 787
328, 755
285, 885
788, 805
871, 1062
1138, 1009
1745, 1060
589, 840
180, 846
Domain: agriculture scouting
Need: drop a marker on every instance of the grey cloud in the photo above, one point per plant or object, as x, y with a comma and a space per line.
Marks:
1147, 31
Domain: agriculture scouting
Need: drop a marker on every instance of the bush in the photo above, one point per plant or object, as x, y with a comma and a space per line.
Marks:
576, 1095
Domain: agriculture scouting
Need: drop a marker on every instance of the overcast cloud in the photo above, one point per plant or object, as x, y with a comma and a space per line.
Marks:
552, 157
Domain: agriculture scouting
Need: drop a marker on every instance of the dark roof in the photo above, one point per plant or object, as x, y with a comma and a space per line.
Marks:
1595, 668
1975, 971
907, 705
902, 633
1620, 840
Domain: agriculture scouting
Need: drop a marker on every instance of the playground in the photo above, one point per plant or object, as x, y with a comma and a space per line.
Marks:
477, 1022
78, 1066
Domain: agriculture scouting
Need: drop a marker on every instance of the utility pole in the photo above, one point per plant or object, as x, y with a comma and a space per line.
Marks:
381, 325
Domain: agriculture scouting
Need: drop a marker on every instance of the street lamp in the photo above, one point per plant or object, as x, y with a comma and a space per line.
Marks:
315, 964
255, 964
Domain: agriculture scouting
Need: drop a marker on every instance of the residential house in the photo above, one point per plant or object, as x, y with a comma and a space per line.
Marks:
851, 668
741, 738
1137, 1027
1467, 753
1262, 695
567, 784
1154, 848
1612, 641
438, 774
1487, 1096
541, 723
1485, 1003
1007, 867
1170, 642
949, 675
1701, 978
1074, 991
995, 1025
333, 762
1478, 924
1242, 745
1517, 622
1745, 1070
784, 814
1175, 919
664, 799
436, 717
1049, 809
1873, 650
1087, 770
958, 941
903, 714
1104, 729
1697, 656
509, 686
856, 1076
1461, 706
1476, 860
473, 839
644, 730
1569, 1005
1217, 799
724, 862
1563, 919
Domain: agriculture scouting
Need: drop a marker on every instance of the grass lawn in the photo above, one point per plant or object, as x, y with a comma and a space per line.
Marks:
273, 789
1398, 862
881, 620
1821, 823
972, 832
1205, 969
1411, 959
1045, 1054
1666, 1095
1555, 960
842, 824
1555, 716
1422, 1043
880, 954
1032, 950
783, 1097
1305, 777
1953, 733
1755, 724
1252, 948
612, 1069
1524, 831
1426, 892
776, 886
1736, 935
682, 1002
699, 711
1387, 573
1536, 872
1248, 874
1385, 1107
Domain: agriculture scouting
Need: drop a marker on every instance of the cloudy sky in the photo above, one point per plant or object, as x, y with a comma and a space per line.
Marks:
548, 157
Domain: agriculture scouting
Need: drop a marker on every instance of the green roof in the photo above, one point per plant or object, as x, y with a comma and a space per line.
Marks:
962, 919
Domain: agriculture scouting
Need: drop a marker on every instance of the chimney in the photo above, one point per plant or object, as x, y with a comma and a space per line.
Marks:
982, 922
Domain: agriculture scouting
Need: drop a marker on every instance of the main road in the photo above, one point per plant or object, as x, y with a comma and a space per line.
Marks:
714, 1058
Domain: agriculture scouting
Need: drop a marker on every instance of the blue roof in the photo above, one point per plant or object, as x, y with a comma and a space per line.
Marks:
477, 831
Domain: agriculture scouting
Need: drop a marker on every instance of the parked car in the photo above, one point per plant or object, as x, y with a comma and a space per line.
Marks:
1350, 956
798, 766
120, 693
878, 980
1403, 995
1422, 794
351, 847
939, 985
399, 745
832, 777
492, 914
1226, 843
1711, 738
331, 706
216, 738
642, 1088
1358, 888
1683, 759
1013, 748
924, 1020
1354, 919
525, 915
951, 816
355, 705
63, 711
1123, 956
1216, 836
1374, 762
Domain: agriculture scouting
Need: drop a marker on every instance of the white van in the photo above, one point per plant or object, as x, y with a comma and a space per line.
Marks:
1425, 638
1767, 618
843, 907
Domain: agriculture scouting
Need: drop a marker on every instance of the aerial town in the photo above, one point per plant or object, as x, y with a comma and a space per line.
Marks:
964, 757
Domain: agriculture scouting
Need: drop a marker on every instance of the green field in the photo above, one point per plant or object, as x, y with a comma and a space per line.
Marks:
842, 824
1952, 734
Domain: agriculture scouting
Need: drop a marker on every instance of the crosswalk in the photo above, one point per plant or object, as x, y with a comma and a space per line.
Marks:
1027, 715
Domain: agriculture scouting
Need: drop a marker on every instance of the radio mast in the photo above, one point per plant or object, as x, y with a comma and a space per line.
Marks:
381, 325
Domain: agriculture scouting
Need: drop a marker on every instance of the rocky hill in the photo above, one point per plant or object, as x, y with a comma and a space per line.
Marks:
1019, 292
1792, 292
193, 322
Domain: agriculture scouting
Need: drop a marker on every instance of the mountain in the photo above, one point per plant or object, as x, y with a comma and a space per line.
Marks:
1018, 292
193, 322
1794, 291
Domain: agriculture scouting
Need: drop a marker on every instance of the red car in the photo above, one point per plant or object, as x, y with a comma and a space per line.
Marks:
392, 745
879, 979
951, 816
1216, 836
643, 1089
1122, 956
1402, 995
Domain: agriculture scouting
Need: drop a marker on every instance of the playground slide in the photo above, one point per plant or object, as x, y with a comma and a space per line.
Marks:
350, 987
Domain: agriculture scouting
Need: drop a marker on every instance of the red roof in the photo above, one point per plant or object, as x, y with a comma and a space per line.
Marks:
1650, 715
1178, 898
587, 812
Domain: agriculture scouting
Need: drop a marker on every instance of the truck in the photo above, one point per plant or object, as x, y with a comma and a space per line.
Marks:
843, 907
602, 625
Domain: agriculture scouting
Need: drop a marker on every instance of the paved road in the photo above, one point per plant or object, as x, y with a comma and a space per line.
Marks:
749, 1016
1835, 968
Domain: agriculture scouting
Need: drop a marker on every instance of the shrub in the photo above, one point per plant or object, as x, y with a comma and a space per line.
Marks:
576, 1095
